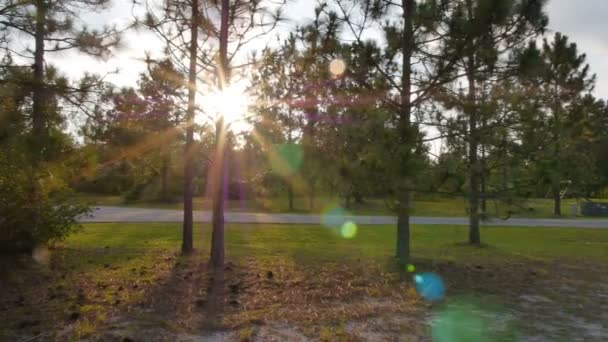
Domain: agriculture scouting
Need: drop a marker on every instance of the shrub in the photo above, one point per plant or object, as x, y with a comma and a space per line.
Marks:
34, 208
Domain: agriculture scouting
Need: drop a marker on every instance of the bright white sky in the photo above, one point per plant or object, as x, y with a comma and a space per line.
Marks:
583, 21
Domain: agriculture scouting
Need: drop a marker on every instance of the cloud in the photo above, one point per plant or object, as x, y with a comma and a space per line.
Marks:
585, 22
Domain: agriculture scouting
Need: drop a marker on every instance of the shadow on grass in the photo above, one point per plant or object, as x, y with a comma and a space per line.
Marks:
190, 297
34, 301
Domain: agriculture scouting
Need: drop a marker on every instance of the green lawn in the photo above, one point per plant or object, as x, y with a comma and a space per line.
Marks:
532, 208
325, 244
308, 276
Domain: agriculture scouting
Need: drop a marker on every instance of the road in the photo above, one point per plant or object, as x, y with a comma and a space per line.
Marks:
122, 214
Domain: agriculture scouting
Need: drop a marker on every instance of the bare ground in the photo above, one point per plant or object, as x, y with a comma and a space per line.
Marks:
180, 299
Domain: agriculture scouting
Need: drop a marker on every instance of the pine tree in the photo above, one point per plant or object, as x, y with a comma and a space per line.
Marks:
51, 27
482, 36
564, 78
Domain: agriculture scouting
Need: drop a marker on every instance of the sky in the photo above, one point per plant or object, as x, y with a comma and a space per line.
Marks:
584, 21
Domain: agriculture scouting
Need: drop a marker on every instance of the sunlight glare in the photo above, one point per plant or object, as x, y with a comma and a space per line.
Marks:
337, 67
233, 103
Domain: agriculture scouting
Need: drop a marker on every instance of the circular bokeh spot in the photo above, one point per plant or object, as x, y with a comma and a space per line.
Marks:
287, 159
348, 230
337, 67
411, 268
41, 255
430, 286
471, 321
334, 217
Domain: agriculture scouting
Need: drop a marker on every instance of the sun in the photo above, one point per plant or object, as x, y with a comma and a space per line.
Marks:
232, 103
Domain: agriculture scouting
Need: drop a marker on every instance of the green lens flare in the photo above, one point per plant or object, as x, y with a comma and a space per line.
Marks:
348, 230
287, 159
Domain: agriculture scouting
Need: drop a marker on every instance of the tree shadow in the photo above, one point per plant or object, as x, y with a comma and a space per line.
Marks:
192, 297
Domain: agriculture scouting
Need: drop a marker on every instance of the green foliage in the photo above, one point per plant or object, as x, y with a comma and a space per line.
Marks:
135, 137
33, 206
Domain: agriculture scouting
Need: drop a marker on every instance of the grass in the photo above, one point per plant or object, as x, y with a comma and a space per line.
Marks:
308, 276
321, 244
450, 207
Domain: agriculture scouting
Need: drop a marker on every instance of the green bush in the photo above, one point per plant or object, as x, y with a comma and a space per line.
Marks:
33, 203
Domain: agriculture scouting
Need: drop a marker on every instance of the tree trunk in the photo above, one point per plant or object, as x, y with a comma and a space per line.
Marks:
482, 179
290, 196
164, 177
403, 228
474, 165
358, 197
347, 200
39, 124
557, 200
406, 137
217, 237
311, 195
310, 138
187, 227
289, 182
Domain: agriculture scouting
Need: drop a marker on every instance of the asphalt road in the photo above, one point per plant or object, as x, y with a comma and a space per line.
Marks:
122, 214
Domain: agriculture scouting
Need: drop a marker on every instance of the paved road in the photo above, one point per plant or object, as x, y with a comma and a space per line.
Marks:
121, 214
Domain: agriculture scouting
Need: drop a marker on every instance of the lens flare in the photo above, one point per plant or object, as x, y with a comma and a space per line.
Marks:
471, 320
348, 230
41, 255
337, 67
430, 286
287, 159
411, 268
333, 217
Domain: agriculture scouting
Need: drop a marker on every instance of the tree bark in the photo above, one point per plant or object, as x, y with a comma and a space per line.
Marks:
289, 182
217, 237
290, 196
188, 223
164, 177
557, 200
474, 165
309, 141
311, 194
39, 124
403, 206
218, 224
483, 180
347, 200
556, 181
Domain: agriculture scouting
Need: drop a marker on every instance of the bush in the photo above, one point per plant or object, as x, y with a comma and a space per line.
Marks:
33, 203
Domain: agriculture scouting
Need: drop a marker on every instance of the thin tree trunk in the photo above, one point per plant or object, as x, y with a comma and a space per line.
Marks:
556, 183
310, 138
403, 228
164, 177
290, 180
311, 195
557, 199
187, 227
217, 237
290, 196
39, 125
474, 165
403, 209
483, 180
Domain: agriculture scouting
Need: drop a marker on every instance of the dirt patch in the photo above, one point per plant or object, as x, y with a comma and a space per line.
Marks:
171, 298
